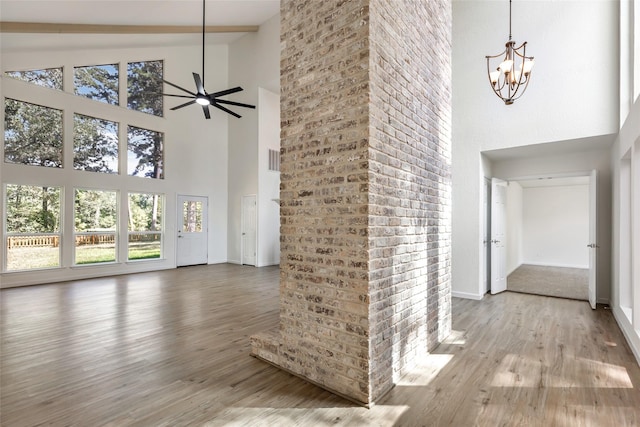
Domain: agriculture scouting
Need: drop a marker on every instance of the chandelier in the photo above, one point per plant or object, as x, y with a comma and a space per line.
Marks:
507, 81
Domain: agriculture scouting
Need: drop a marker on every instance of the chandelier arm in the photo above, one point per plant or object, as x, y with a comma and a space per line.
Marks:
526, 84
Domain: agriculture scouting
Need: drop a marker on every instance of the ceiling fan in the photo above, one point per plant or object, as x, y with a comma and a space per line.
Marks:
201, 96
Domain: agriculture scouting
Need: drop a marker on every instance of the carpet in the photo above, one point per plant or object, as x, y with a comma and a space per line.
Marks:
560, 282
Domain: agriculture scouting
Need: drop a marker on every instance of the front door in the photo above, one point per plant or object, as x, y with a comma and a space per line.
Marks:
498, 235
191, 248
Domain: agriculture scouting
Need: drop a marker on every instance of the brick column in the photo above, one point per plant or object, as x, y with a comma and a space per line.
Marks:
365, 191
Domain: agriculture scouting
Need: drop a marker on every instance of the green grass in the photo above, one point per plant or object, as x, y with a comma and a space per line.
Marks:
144, 251
48, 257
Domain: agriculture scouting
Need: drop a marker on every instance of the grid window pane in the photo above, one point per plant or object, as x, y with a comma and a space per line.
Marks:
145, 226
95, 226
145, 156
33, 227
97, 82
95, 144
49, 77
192, 217
32, 134
144, 87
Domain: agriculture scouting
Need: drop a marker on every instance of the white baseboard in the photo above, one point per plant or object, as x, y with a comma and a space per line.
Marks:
632, 336
550, 264
233, 261
466, 295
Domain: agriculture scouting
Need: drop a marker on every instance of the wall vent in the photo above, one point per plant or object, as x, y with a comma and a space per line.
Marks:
274, 160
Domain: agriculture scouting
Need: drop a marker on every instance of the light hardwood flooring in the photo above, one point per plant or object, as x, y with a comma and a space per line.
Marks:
171, 348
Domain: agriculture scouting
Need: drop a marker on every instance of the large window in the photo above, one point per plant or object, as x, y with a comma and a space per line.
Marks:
32, 227
95, 144
32, 134
144, 86
97, 82
145, 226
49, 77
145, 153
96, 217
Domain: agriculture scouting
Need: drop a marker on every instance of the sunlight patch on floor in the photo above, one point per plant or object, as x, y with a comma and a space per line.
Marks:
268, 417
518, 371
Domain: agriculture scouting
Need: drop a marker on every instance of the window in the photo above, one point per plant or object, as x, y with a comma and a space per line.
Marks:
95, 220
144, 87
95, 144
49, 77
192, 217
32, 227
145, 226
32, 134
97, 82
145, 153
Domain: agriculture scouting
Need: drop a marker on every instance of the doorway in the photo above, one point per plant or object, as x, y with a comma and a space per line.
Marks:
249, 230
192, 233
550, 240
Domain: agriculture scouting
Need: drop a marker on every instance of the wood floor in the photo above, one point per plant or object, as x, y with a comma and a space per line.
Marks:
171, 348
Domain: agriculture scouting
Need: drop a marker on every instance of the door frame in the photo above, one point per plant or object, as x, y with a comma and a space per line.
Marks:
242, 230
593, 285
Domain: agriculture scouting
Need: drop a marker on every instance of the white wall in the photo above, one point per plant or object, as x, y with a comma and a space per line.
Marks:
195, 148
561, 102
254, 62
268, 181
626, 230
556, 226
515, 228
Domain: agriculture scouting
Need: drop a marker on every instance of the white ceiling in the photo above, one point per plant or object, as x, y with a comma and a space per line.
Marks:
129, 12
139, 12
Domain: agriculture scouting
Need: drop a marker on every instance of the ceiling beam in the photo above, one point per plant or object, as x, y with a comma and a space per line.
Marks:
50, 28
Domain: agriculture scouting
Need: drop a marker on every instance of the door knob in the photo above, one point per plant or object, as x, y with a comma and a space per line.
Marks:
495, 241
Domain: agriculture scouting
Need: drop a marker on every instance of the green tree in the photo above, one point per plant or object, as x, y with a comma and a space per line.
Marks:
144, 87
146, 146
95, 209
49, 77
32, 134
95, 144
32, 209
98, 82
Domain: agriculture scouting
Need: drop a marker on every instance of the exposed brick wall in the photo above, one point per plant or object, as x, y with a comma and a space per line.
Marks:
365, 191
324, 192
409, 184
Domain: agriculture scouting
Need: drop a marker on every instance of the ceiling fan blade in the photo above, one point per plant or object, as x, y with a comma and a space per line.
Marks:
196, 78
184, 105
226, 92
177, 96
178, 87
226, 110
205, 108
237, 104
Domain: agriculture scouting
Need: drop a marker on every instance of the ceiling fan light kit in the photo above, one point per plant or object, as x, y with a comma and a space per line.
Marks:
201, 97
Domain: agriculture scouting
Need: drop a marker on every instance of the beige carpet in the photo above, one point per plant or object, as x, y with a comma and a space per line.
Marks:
551, 281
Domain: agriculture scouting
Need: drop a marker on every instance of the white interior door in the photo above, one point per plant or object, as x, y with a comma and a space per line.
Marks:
486, 235
498, 235
193, 238
249, 228
593, 241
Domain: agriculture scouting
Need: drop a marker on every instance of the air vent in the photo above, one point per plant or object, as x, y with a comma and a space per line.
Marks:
274, 160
